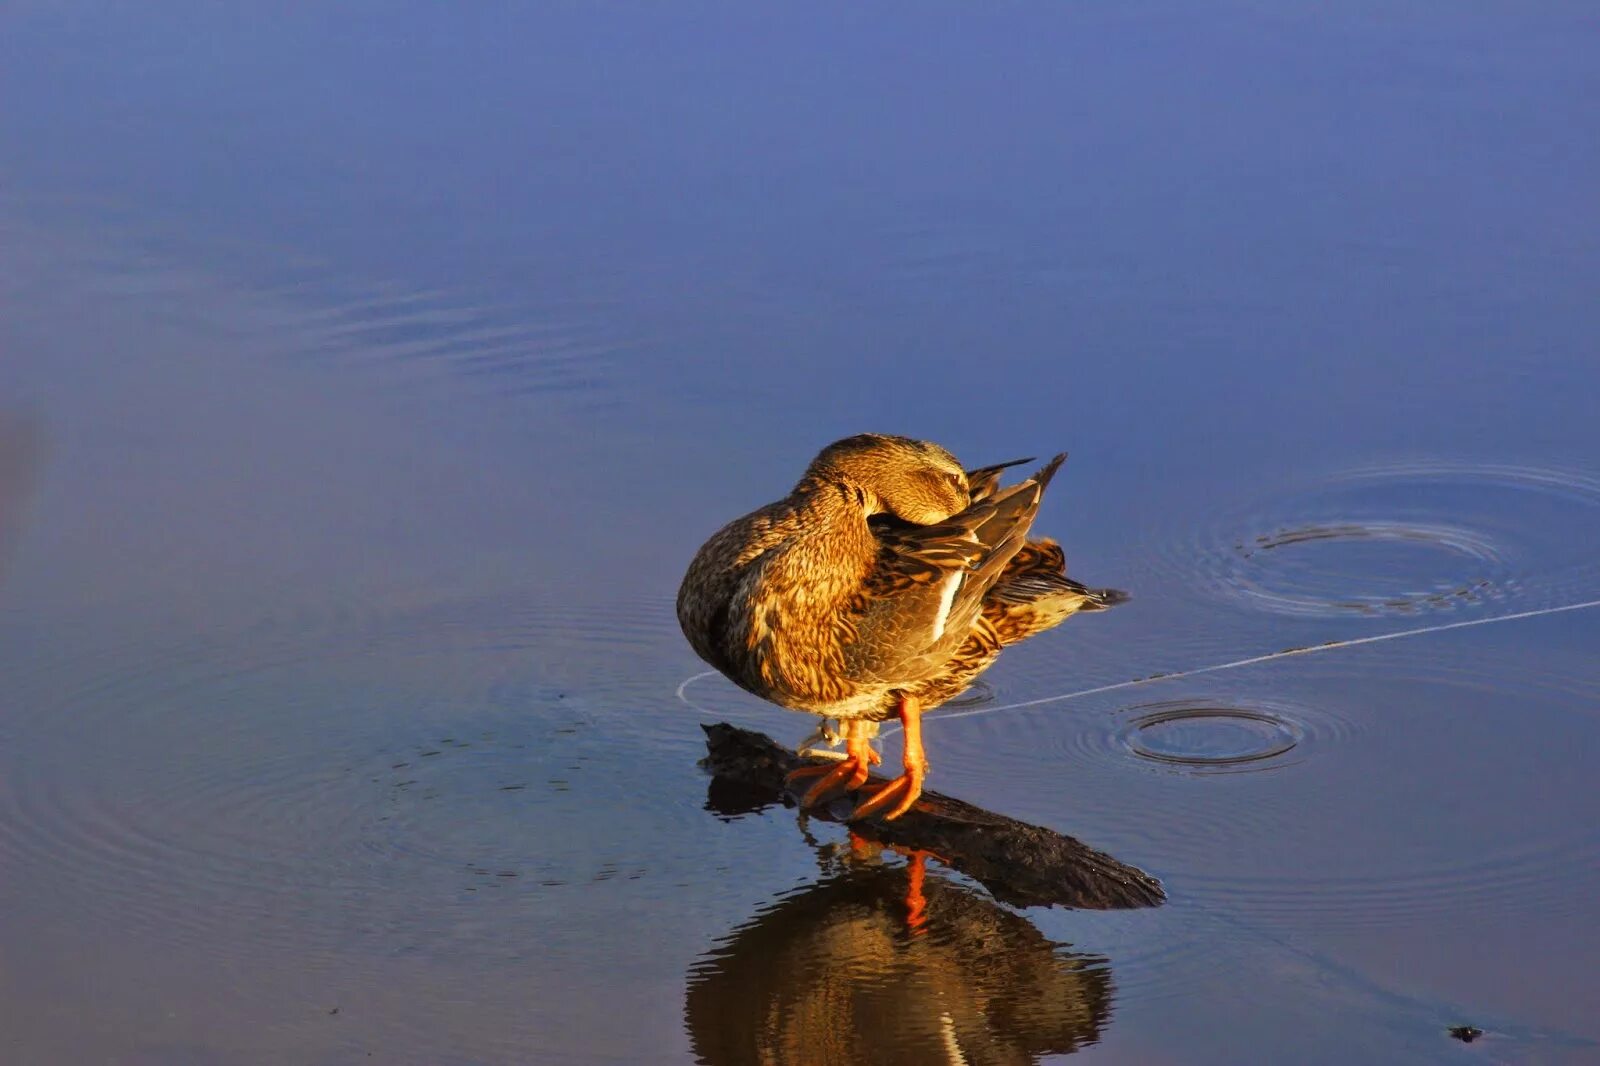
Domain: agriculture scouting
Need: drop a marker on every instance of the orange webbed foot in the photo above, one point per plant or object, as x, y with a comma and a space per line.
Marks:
902, 792
849, 774
846, 775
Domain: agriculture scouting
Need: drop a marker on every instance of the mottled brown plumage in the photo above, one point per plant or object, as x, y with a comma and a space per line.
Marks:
885, 583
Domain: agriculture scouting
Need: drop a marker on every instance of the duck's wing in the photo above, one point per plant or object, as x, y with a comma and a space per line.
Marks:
926, 589
1035, 593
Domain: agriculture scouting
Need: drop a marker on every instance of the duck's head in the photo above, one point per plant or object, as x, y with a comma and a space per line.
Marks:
911, 479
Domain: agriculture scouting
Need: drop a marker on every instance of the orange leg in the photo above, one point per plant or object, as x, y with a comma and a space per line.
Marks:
861, 847
850, 772
903, 791
916, 874
916, 905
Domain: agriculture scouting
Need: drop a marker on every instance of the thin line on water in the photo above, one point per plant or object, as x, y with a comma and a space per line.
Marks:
1254, 659
890, 728
683, 688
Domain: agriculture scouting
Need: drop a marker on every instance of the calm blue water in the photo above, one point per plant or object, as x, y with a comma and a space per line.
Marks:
368, 378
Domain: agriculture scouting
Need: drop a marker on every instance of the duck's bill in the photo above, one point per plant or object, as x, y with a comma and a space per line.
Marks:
987, 471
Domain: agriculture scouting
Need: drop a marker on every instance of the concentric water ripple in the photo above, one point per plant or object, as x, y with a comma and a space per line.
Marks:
239, 779
1346, 834
1404, 540
1193, 732
979, 694
1208, 738
714, 698
1552, 877
560, 348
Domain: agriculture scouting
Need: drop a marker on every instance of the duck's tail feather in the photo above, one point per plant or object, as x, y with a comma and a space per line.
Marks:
1100, 599
1020, 607
1035, 586
1035, 593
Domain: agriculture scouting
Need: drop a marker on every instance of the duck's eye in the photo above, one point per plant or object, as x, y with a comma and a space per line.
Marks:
957, 482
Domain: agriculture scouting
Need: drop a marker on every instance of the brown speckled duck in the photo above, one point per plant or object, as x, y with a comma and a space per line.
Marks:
882, 586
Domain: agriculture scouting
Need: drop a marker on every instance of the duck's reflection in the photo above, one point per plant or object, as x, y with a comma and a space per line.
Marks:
858, 969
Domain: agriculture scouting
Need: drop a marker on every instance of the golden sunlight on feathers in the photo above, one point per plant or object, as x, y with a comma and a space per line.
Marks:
881, 586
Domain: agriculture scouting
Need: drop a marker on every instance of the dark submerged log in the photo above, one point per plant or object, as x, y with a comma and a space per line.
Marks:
1021, 864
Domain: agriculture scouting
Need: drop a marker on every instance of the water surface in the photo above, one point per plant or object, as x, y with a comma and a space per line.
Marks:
368, 377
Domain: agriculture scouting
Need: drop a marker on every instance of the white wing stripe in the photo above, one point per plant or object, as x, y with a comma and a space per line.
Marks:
947, 596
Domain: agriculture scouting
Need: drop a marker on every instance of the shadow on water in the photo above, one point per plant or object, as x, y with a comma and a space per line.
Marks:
851, 970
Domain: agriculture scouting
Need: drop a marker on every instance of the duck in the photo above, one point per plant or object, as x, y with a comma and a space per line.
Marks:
879, 588
840, 972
